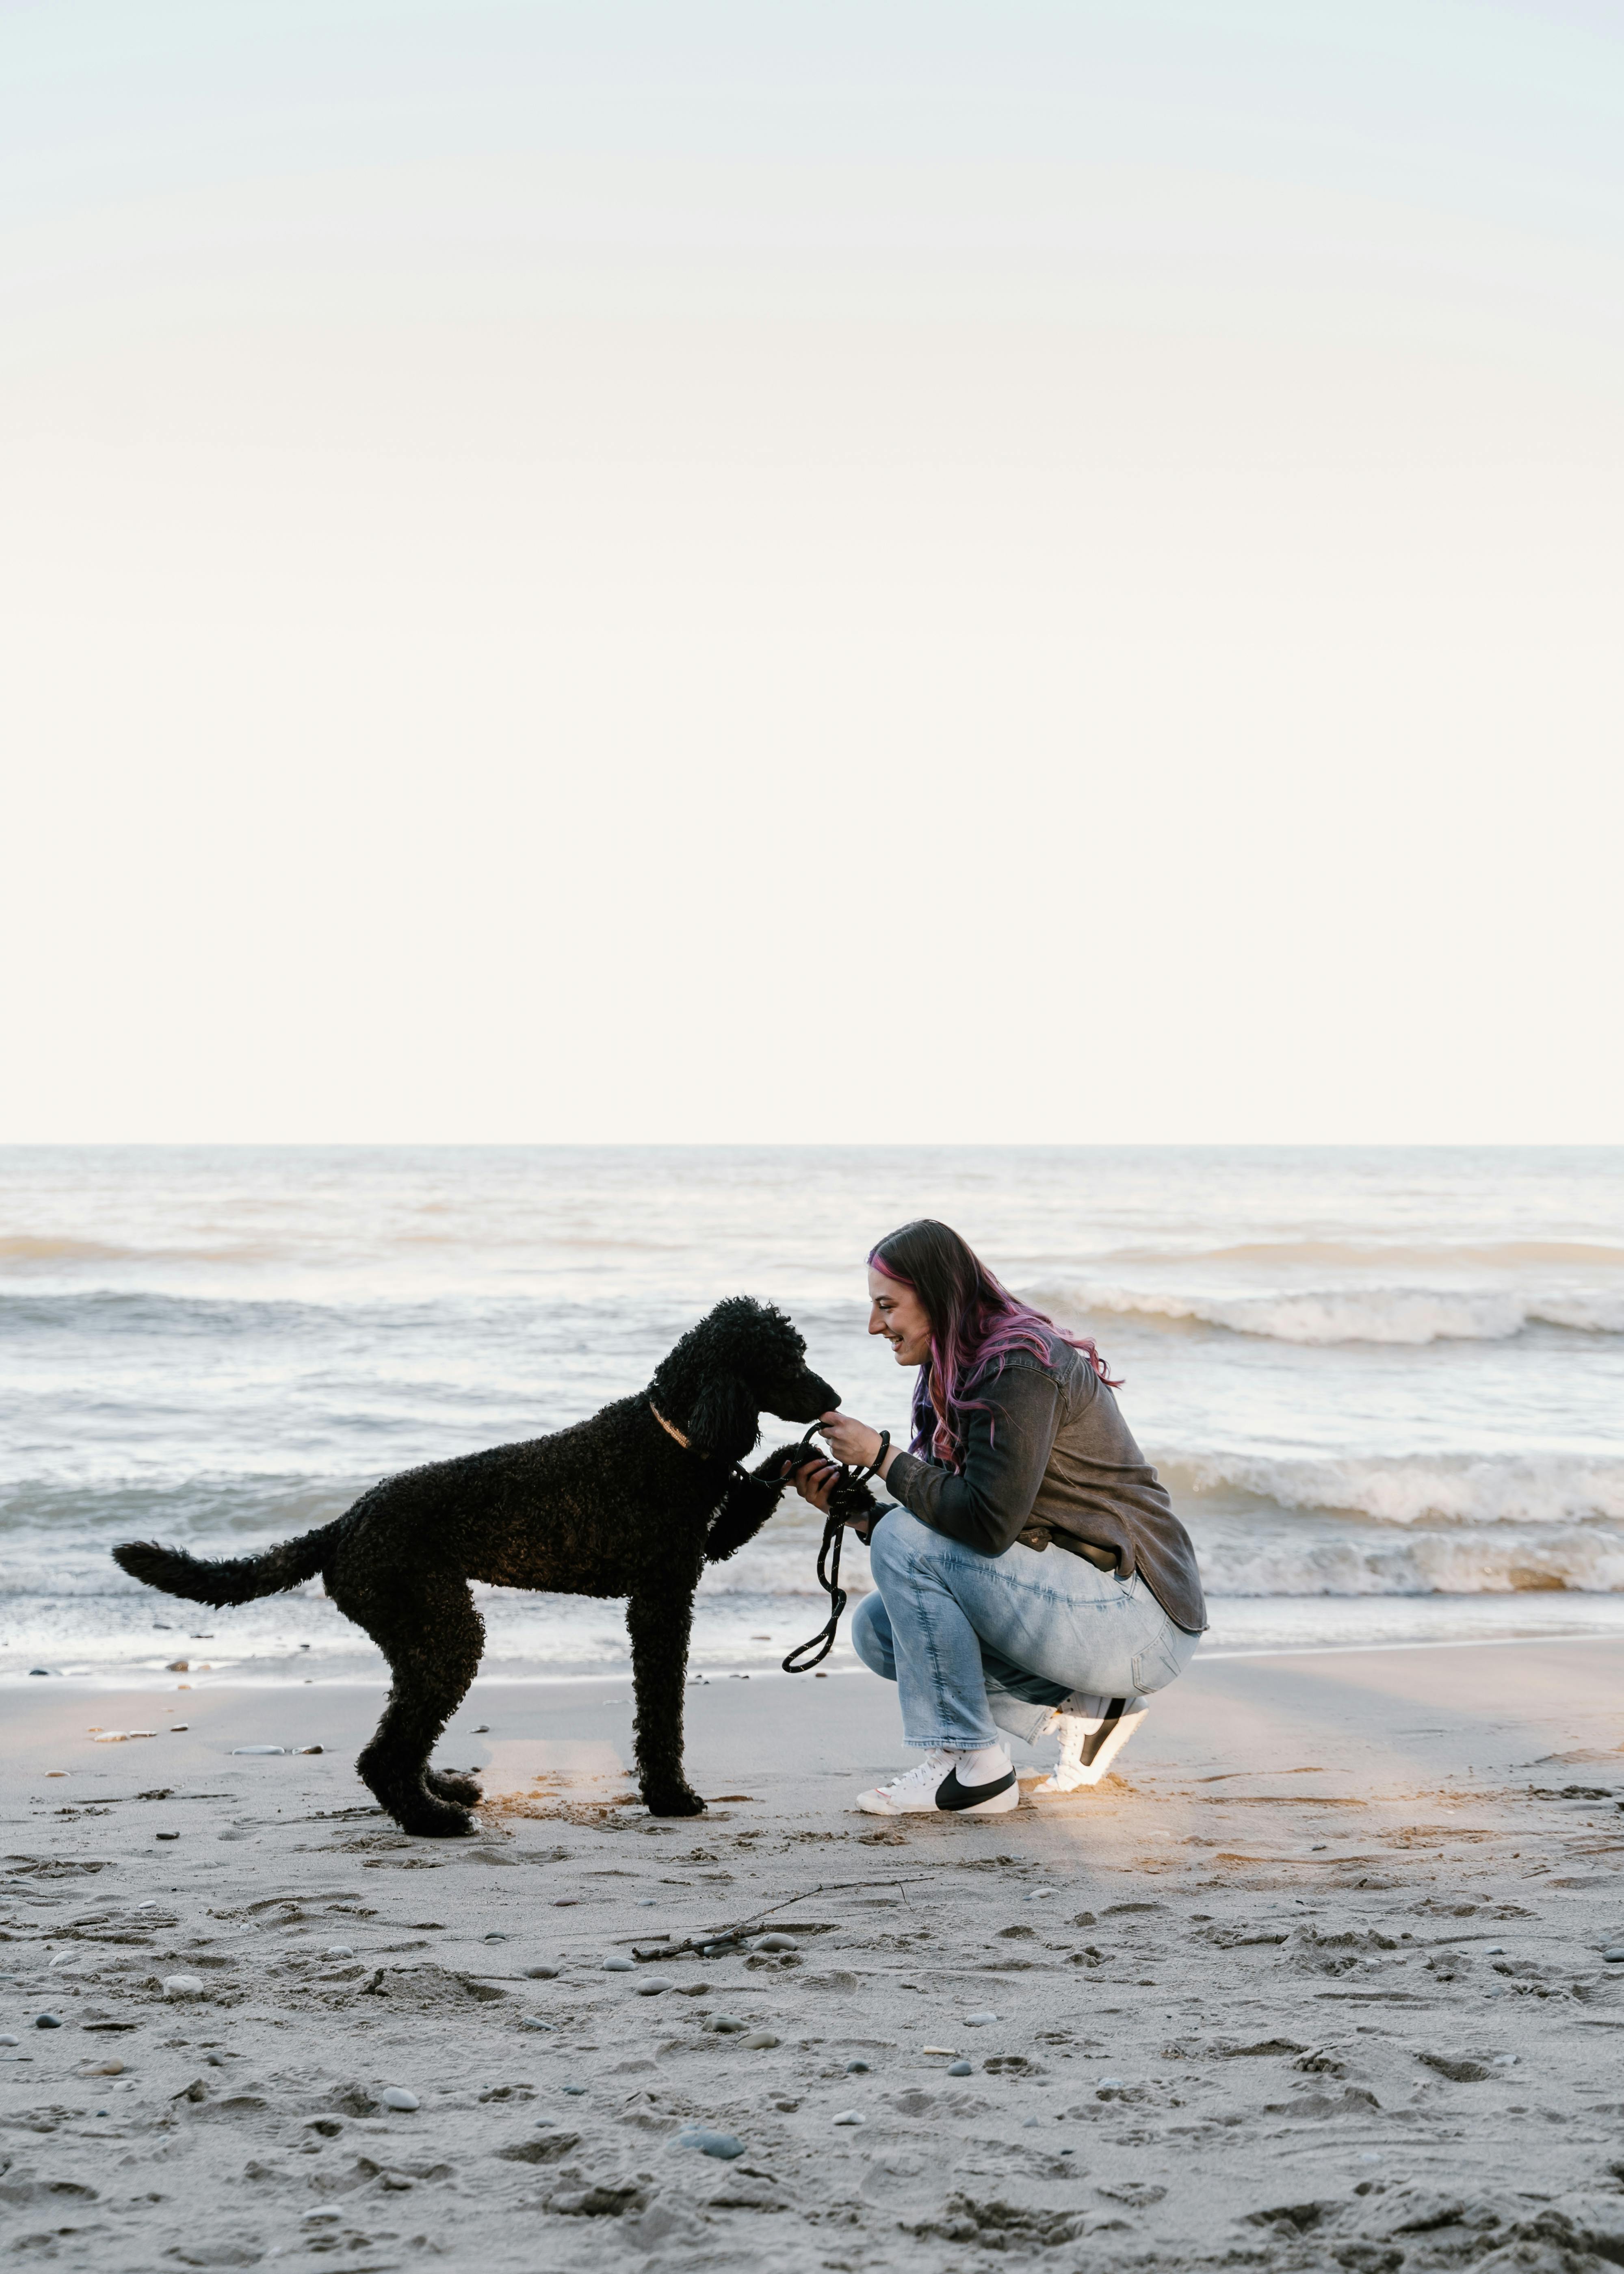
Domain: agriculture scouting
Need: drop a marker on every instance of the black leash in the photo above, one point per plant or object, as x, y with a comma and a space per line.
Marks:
828, 1550
829, 1554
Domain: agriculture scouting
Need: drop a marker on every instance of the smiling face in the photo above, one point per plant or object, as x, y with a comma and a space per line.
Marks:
896, 1312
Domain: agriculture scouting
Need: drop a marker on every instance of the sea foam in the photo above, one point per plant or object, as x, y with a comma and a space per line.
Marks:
1412, 1315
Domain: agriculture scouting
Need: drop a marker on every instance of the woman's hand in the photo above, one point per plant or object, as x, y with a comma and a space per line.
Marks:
850, 1442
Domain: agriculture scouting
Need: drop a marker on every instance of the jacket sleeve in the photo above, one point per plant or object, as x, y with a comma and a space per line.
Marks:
1011, 1435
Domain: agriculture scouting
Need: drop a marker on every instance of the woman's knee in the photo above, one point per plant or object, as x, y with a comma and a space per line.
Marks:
1163, 1659
871, 1638
900, 1543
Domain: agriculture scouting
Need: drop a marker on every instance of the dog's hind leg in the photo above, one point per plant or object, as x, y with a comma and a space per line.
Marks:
426, 1625
658, 1626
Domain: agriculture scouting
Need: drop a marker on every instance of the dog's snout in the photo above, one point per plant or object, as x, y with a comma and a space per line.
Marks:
809, 1400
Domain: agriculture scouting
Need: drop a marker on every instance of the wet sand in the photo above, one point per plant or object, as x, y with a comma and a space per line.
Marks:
1317, 1980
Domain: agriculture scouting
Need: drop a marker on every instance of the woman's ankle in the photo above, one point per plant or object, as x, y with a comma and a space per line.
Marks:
981, 1764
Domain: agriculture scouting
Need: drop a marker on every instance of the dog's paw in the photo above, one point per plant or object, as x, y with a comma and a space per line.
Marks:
437, 1821
779, 1468
672, 1800
852, 1501
427, 1817
446, 1784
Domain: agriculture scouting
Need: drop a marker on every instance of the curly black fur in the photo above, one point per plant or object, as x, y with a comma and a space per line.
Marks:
614, 1506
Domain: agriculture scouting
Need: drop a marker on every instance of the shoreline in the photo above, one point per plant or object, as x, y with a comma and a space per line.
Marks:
1304, 1626
360, 1665
239, 1678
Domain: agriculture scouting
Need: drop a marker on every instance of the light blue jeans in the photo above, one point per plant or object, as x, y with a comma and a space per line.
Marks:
973, 1640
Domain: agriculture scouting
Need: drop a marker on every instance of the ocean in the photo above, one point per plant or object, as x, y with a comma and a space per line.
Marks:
1384, 1386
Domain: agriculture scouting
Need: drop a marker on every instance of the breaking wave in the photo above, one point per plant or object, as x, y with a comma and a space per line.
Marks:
1439, 1489
1412, 1315
1311, 1558
1386, 1255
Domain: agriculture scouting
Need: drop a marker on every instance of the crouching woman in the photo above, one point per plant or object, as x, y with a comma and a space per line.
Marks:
1019, 1449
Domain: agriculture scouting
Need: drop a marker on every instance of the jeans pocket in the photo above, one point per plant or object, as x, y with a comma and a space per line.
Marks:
1161, 1660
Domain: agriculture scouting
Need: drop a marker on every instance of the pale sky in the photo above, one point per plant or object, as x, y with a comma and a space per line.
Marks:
953, 570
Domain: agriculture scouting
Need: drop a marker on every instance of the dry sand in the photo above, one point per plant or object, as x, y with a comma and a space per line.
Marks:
1336, 1935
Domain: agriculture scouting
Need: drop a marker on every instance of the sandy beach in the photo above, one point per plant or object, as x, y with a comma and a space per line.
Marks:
1319, 1979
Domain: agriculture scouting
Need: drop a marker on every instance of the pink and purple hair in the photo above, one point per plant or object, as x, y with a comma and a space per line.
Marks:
974, 1322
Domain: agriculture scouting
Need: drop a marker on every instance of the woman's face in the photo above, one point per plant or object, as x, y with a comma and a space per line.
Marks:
896, 1312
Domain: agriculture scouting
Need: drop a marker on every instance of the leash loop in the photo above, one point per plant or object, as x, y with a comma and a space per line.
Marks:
829, 1562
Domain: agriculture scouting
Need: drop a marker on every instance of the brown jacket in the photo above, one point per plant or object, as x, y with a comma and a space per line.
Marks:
1050, 1461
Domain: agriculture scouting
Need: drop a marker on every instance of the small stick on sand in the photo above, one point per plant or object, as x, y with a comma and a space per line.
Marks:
725, 1935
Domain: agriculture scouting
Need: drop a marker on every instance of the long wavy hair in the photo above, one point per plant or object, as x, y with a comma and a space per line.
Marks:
976, 1322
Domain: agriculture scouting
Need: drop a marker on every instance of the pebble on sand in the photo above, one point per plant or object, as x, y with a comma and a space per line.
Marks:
761, 2042
181, 1985
395, 2096
959, 2068
848, 2116
541, 1973
777, 1942
534, 2021
857, 2069
1613, 1957
166, 1835
6, 2038
726, 2025
979, 2021
574, 2091
310, 1749
724, 2144
105, 2068
340, 1950
652, 1985
48, 2021
620, 1966
236, 1749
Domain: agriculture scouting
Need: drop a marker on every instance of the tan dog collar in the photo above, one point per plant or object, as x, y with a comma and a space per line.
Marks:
669, 1427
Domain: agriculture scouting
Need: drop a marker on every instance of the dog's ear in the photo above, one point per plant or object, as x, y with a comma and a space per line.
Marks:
723, 1416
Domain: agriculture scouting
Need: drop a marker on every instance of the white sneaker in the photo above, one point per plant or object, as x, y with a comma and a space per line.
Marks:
1092, 1731
934, 1787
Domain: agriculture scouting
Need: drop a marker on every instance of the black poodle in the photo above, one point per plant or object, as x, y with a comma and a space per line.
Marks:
634, 1502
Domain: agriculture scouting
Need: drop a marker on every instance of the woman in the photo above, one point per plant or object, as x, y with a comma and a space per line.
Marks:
1018, 1448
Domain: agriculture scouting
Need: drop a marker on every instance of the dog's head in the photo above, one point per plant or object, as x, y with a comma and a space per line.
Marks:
743, 1361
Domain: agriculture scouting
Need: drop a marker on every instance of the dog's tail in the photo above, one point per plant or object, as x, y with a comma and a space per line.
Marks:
223, 1580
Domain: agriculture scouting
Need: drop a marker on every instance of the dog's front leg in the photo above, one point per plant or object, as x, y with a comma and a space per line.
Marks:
748, 1504
659, 1627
